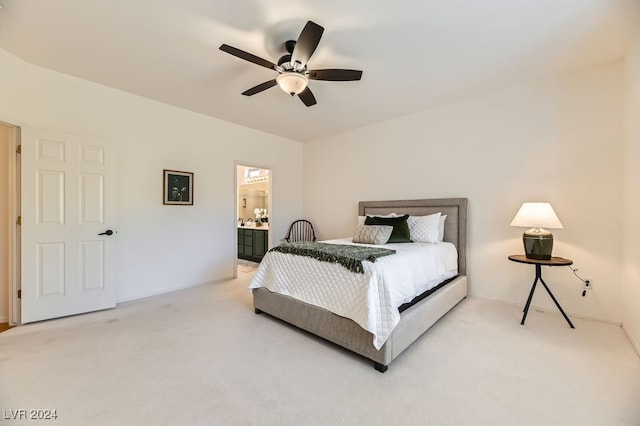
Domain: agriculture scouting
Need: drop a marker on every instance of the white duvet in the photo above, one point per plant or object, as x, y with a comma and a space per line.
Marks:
370, 299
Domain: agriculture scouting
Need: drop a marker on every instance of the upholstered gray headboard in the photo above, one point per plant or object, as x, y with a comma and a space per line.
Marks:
455, 227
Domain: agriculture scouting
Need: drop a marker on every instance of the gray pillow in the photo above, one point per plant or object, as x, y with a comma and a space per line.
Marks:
372, 234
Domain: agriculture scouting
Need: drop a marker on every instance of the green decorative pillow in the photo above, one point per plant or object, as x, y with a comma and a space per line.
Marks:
400, 232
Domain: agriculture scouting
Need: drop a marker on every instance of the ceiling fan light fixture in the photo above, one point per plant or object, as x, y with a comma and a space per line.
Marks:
293, 76
292, 82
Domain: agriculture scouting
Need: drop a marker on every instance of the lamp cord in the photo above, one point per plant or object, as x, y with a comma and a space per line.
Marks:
585, 282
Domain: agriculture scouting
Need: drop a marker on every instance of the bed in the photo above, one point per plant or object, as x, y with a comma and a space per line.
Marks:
414, 319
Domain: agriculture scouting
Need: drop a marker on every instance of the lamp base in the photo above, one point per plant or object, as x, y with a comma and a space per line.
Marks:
538, 243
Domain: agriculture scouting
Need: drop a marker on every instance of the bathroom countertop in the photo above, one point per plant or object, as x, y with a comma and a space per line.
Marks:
263, 227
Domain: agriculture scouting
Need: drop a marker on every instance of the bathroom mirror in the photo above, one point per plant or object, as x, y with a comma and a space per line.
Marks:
253, 192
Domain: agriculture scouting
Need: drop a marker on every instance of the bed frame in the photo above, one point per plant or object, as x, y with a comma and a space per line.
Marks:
414, 321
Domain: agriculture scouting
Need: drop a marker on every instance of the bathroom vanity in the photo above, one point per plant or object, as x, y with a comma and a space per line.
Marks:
253, 242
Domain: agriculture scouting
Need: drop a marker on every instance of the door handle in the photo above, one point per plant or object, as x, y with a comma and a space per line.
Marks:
107, 232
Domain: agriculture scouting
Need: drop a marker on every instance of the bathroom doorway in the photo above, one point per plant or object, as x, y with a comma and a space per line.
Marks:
253, 213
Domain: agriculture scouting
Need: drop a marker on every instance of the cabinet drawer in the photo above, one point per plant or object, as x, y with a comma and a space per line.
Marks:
259, 243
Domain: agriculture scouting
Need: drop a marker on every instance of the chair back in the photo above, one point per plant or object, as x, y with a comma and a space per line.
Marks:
300, 230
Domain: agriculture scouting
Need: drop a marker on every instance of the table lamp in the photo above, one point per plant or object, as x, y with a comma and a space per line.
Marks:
538, 242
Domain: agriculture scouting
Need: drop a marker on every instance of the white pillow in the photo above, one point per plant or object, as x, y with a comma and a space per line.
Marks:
361, 219
424, 229
441, 228
372, 234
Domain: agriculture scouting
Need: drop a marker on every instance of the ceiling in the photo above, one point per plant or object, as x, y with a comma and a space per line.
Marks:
415, 54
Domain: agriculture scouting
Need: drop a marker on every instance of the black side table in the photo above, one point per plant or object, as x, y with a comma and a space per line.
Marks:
554, 261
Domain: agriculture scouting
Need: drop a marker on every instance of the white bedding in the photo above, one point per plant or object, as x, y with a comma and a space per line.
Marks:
370, 299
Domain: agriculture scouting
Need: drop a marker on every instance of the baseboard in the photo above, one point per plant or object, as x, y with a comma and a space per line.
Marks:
635, 344
167, 290
582, 317
4, 320
553, 310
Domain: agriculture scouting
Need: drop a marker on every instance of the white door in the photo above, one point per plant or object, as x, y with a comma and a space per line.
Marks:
68, 196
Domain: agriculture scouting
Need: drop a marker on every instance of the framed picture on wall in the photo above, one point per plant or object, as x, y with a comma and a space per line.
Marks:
177, 188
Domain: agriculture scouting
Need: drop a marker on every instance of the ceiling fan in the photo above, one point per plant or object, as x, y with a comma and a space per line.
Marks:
293, 76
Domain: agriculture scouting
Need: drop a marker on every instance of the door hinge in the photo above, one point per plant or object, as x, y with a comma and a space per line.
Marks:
19, 149
20, 294
19, 221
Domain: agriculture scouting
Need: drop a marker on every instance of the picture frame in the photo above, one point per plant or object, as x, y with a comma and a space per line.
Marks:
177, 188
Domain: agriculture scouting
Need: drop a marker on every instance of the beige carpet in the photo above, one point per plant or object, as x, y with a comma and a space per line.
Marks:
201, 356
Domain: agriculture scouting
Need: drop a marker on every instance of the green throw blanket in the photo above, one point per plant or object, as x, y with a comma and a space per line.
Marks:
349, 256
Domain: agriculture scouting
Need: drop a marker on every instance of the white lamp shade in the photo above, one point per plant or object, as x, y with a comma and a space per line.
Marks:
536, 215
292, 82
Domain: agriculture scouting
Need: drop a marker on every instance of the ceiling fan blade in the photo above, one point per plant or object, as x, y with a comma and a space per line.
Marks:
307, 42
334, 75
307, 97
260, 87
247, 56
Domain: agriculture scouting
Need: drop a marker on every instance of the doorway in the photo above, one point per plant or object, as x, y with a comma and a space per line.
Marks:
253, 213
9, 232
35, 259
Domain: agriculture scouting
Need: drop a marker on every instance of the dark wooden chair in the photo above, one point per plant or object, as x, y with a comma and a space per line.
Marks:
300, 230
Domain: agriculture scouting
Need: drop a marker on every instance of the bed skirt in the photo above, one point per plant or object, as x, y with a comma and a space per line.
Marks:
346, 333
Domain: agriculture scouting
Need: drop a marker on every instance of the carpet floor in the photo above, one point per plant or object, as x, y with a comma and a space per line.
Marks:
201, 356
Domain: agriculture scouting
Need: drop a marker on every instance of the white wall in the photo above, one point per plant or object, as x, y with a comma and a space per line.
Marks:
558, 141
6, 155
631, 277
160, 248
